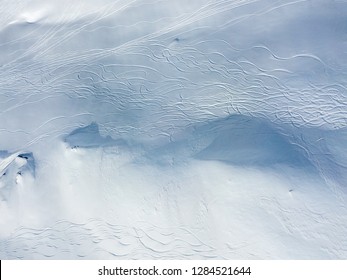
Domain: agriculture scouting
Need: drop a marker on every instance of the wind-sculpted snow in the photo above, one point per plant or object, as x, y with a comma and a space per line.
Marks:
173, 129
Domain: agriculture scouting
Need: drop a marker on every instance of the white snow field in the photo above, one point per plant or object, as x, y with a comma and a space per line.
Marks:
173, 129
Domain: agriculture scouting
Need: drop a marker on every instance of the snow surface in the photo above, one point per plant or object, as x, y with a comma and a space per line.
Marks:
144, 129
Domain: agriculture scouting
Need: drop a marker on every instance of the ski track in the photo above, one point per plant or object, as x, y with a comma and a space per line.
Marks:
98, 239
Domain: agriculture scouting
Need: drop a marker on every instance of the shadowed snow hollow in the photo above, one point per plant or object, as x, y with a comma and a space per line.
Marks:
173, 129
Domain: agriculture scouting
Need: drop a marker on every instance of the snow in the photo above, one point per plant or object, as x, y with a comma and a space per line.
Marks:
173, 129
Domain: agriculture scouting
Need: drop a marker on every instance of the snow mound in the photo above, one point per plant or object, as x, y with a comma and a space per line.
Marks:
243, 140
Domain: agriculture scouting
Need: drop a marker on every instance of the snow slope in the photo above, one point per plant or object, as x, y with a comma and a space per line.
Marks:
145, 129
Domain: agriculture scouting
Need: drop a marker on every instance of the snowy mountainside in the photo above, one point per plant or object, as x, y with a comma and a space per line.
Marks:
142, 129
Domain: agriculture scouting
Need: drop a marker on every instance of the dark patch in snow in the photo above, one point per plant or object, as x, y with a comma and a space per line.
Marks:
30, 163
12, 167
89, 137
